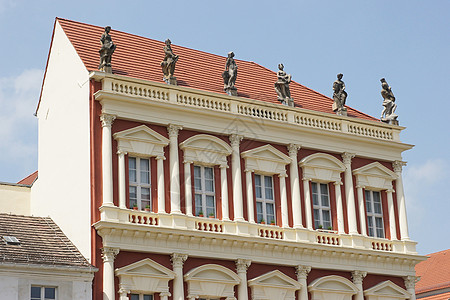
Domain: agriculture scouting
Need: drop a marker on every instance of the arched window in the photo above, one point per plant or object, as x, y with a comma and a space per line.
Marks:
332, 287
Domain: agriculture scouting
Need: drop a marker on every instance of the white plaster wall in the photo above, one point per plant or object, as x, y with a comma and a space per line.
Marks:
65, 290
15, 199
62, 190
9, 287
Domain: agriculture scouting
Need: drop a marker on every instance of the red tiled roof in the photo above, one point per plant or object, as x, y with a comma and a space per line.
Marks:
434, 272
444, 296
140, 57
29, 180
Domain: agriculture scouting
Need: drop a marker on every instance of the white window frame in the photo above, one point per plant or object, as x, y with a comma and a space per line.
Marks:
141, 296
264, 199
42, 296
373, 230
141, 203
320, 207
203, 193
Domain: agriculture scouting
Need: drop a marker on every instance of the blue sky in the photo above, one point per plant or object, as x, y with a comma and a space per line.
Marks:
407, 42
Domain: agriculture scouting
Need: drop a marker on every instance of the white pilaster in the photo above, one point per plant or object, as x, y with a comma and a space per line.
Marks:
410, 283
308, 209
250, 205
241, 268
174, 169
224, 192
302, 274
392, 223
401, 199
122, 176
178, 282
108, 256
362, 211
164, 295
237, 181
284, 204
107, 176
123, 294
339, 207
295, 186
350, 195
188, 187
358, 277
161, 188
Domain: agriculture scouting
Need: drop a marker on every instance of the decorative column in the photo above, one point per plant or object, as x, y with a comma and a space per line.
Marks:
403, 221
107, 176
161, 187
350, 195
358, 277
122, 185
174, 169
250, 204
362, 211
284, 204
164, 295
241, 268
224, 192
108, 255
295, 186
308, 209
392, 223
410, 283
339, 207
188, 187
237, 181
178, 282
302, 273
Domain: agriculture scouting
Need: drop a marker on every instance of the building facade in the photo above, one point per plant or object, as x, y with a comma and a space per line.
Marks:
181, 191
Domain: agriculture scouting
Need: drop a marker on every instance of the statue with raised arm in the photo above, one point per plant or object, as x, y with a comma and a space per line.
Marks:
282, 86
106, 51
168, 64
339, 96
388, 114
229, 75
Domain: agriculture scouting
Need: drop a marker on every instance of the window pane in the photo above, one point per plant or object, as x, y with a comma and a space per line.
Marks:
377, 207
198, 204
315, 198
132, 163
145, 164
209, 185
197, 171
325, 200
324, 189
210, 212
209, 174
370, 226
36, 292
145, 193
269, 193
257, 180
259, 208
268, 181
50, 293
210, 201
132, 175
376, 197
198, 184
316, 218
258, 190
269, 209
148, 297
368, 205
326, 216
314, 187
134, 297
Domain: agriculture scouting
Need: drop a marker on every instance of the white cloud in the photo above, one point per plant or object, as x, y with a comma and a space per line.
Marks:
18, 130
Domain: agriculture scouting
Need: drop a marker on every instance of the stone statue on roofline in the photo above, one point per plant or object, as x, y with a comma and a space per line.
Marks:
229, 75
168, 64
106, 51
282, 87
339, 96
388, 114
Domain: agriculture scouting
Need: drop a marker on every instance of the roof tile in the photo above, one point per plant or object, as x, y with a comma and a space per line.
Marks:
434, 272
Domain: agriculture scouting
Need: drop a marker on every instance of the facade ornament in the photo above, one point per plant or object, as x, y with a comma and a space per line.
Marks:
235, 140
107, 119
173, 130
410, 281
242, 265
109, 254
106, 51
282, 87
229, 75
168, 64
358, 276
347, 158
302, 271
293, 149
388, 115
398, 166
178, 259
339, 96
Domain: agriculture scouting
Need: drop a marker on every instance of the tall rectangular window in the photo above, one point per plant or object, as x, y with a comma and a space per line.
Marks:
43, 293
265, 201
141, 297
205, 202
139, 182
374, 214
321, 205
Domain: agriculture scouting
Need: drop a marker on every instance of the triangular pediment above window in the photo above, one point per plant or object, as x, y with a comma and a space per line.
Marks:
374, 175
146, 267
266, 159
275, 279
141, 140
386, 290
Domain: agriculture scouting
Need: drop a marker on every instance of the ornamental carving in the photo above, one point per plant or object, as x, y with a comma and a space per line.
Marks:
398, 166
178, 259
107, 120
235, 140
173, 130
388, 115
242, 265
168, 64
302, 271
358, 276
109, 254
106, 51
293, 149
339, 96
229, 75
347, 158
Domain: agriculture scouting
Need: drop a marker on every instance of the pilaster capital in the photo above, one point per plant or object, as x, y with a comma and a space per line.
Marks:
358, 276
107, 119
398, 166
167, 294
347, 157
123, 291
242, 265
336, 183
224, 166
302, 271
282, 175
235, 139
188, 162
293, 150
173, 129
109, 254
410, 281
121, 152
160, 157
178, 259
249, 171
